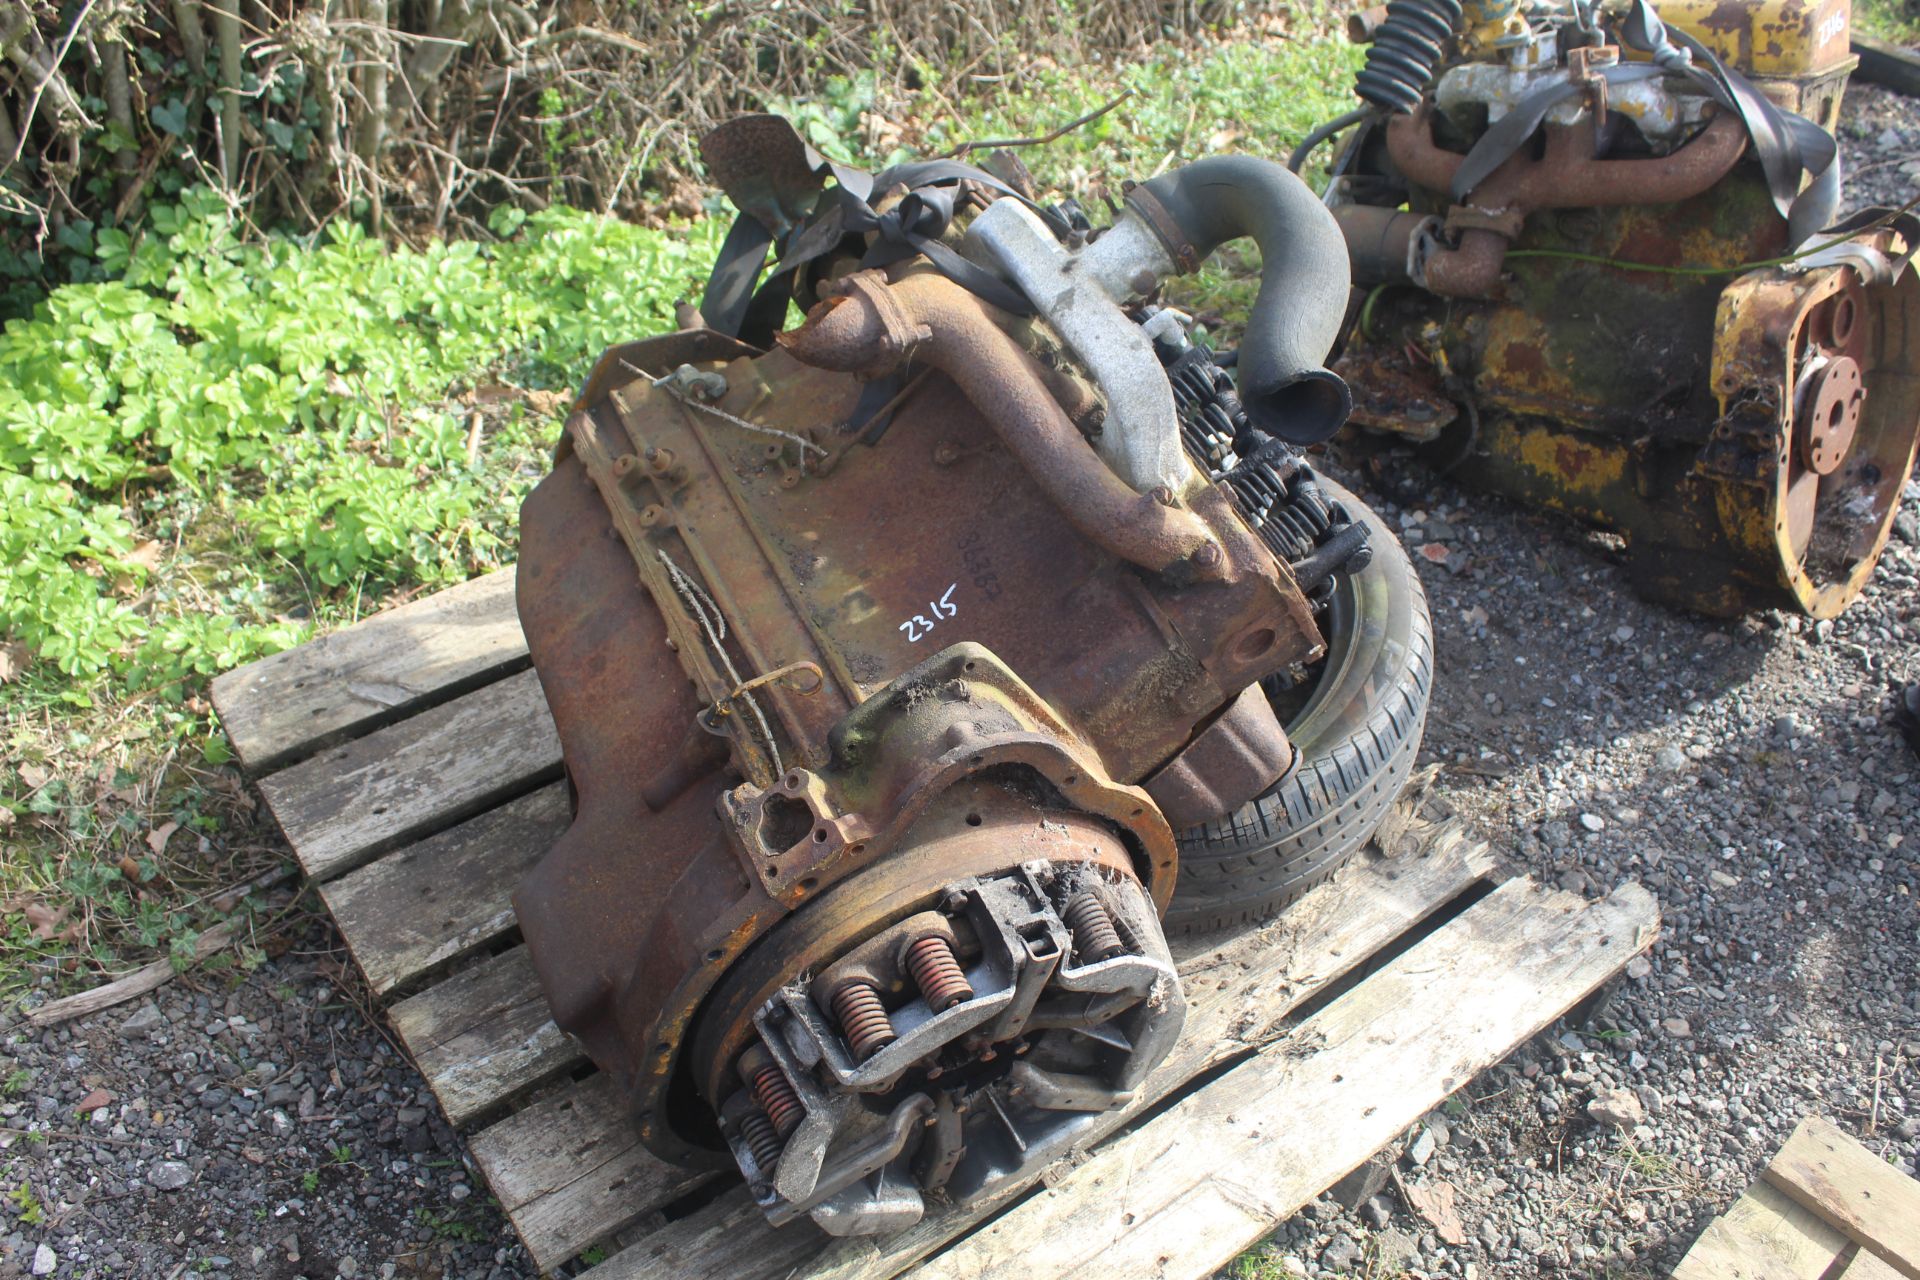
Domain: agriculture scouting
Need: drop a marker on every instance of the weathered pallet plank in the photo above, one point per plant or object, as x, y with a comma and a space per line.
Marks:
447, 895
1238, 990
1198, 1183
483, 1037
1763, 1236
568, 1171
1835, 1177
371, 674
348, 804
1867, 1266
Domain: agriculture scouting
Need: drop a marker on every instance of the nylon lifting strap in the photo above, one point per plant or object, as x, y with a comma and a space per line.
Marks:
912, 225
1789, 146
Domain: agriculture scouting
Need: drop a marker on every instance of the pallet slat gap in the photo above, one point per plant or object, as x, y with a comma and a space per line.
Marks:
1763, 1236
1832, 1175
1198, 1183
567, 1170
378, 671
351, 803
483, 1037
446, 896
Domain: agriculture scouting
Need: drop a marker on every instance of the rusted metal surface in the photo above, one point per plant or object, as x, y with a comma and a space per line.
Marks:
872, 327
1693, 413
1237, 757
856, 704
1564, 175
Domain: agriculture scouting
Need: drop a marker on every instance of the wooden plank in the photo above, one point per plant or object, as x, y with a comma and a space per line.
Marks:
446, 896
1867, 1266
484, 1036
568, 1171
1848, 1186
373, 673
352, 802
1239, 990
1763, 1236
1887, 64
1210, 1176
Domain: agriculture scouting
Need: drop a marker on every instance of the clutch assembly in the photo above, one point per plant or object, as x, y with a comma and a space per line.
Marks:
888, 657
1599, 277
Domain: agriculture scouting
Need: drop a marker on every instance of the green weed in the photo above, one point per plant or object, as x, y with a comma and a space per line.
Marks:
448, 1228
31, 1211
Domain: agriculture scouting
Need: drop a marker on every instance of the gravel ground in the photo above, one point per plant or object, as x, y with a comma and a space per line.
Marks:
256, 1123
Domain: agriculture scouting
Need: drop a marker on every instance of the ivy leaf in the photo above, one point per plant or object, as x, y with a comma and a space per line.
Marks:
281, 135
171, 116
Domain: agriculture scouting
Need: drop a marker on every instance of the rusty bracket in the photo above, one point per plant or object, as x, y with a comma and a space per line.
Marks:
1585, 67
960, 713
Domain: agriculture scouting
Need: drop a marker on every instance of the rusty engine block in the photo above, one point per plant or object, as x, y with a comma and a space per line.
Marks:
1599, 279
879, 724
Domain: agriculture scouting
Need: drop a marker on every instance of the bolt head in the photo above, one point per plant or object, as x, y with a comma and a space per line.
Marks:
1208, 555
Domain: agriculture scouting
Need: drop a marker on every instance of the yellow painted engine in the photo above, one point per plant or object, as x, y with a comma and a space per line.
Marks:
1601, 274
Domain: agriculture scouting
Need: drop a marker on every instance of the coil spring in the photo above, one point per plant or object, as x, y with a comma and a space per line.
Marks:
937, 974
762, 1140
775, 1094
1094, 937
1293, 528
1405, 50
863, 1019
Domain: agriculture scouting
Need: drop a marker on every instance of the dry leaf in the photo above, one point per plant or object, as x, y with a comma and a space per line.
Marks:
44, 919
35, 776
1434, 1201
146, 555
13, 661
157, 838
129, 869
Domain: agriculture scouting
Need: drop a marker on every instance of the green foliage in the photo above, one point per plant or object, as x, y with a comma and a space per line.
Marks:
284, 407
1895, 21
32, 1212
449, 1227
1256, 96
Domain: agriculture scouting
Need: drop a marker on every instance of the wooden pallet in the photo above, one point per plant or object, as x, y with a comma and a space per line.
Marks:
1825, 1208
411, 763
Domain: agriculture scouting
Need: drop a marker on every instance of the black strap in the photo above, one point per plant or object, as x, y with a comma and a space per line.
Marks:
1788, 146
913, 225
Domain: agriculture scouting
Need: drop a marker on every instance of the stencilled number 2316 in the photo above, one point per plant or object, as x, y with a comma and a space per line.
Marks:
920, 624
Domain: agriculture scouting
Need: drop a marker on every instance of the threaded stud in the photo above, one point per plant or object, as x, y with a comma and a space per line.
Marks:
776, 1096
762, 1140
937, 973
857, 1007
1094, 937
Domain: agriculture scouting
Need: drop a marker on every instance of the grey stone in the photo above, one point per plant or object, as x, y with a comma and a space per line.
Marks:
1421, 1149
143, 1021
44, 1260
169, 1175
1359, 1186
1619, 1108
1376, 1212
1342, 1255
